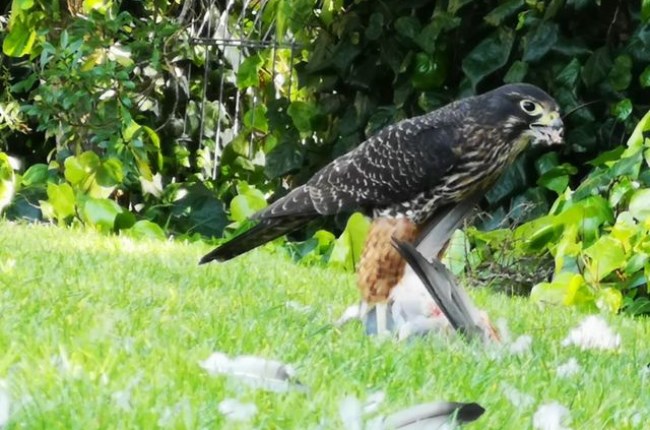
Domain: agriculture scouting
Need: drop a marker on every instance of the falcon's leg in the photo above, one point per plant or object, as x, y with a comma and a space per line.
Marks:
381, 267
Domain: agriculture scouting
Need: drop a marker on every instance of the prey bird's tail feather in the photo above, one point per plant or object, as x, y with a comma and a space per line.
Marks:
264, 231
452, 300
434, 415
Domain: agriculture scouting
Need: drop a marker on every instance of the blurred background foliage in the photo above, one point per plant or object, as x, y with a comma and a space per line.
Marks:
113, 115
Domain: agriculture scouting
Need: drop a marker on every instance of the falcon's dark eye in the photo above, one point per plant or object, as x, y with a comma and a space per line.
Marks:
530, 107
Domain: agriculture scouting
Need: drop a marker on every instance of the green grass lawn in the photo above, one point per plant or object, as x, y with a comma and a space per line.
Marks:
107, 332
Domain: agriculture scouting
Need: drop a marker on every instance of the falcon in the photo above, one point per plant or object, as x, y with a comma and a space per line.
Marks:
409, 172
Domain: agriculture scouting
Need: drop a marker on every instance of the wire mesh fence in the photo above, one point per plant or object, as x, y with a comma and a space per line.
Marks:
227, 38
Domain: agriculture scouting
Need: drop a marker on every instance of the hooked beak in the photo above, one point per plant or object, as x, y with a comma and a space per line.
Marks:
548, 130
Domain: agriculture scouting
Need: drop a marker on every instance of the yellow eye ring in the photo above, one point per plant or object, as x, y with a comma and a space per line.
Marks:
530, 107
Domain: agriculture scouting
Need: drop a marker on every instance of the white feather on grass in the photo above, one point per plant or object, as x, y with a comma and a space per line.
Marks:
5, 403
235, 410
593, 333
518, 399
256, 372
552, 416
570, 368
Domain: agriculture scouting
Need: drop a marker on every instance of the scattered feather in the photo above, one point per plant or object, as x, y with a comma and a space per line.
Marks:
521, 345
237, 411
354, 312
645, 372
593, 333
5, 403
570, 368
421, 326
551, 416
518, 399
504, 330
256, 372
350, 411
373, 402
298, 307
65, 366
170, 414
122, 398
435, 415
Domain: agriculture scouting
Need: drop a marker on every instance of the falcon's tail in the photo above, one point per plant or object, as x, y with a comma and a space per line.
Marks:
264, 231
452, 300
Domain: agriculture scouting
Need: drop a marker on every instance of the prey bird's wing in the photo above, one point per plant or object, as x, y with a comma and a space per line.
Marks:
395, 165
438, 230
452, 300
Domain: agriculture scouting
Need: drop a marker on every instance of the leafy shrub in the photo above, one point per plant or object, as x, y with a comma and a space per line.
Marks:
597, 234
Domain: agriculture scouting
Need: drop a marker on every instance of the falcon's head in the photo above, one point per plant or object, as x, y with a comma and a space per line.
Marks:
527, 114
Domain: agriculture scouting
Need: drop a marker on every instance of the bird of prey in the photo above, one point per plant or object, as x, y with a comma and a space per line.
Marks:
407, 173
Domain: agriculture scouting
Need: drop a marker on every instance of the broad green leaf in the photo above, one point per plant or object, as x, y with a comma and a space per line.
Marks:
124, 220
588, 214
568, 77
645, 11
155, 141
606, 255
637, 139
286, 157
283, 13
609, 300
109, 173
97, 178
101, 6
516, 73
440, 22
20, 40
503, 11
408, 26
100, 213
640, 204
537, 234
7, 181
456, 256
244, 205
620, 75
541, 41
348, 247
488, 56
621, 190
79, 168
129, 131
199, 211
514, 179
61, 198
36, 174
557, 179
325, 239
302, 114
597, 67
546, 162
255, 119
248, 73
636, 263
623, 109
145, 229
567, 247
566, 289
375, 26
644, 78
